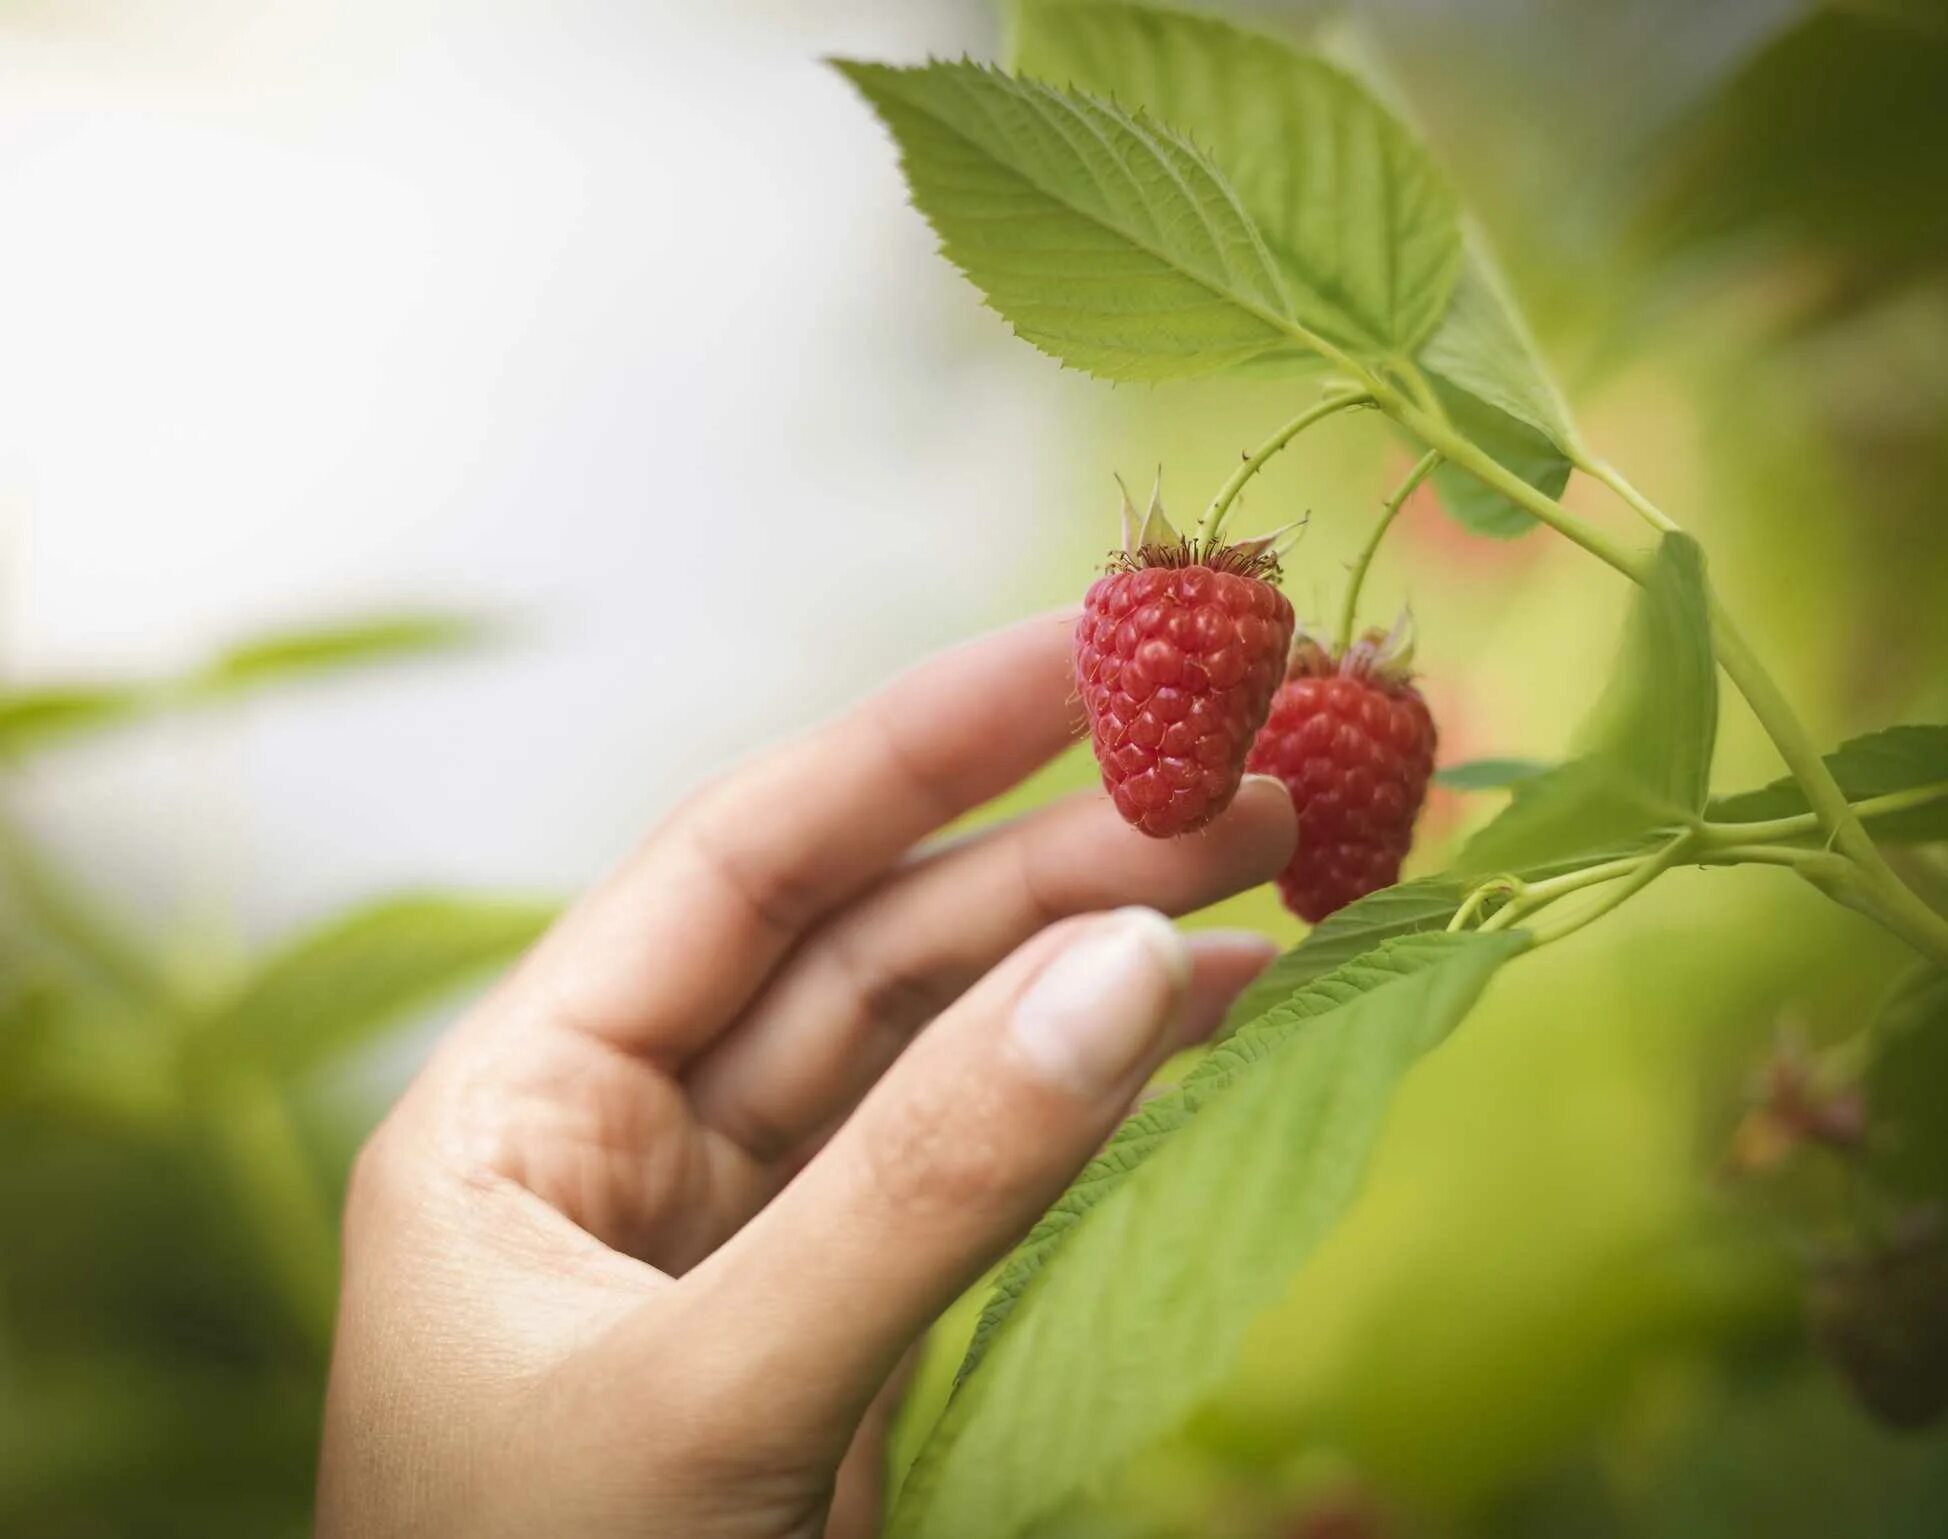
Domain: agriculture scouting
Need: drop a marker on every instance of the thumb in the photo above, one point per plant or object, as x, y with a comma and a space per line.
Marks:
963, 1144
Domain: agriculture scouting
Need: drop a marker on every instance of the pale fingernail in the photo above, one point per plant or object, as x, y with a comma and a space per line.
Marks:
1229, 959
1099, 1009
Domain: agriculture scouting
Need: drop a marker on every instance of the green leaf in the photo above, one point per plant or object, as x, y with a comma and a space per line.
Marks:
334, 989
1483, 348
1883, 763
282, 655
1643, 757
1490, 774
1123, 1309
30, 718
1409, 908
1255, 104
1108, 241
1478, 508
1489, 379
1362, 225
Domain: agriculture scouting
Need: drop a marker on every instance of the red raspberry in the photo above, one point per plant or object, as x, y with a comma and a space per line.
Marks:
1354, 743
1176, 656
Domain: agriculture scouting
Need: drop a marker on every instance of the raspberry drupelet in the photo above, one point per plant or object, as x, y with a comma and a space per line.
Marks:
1353, 741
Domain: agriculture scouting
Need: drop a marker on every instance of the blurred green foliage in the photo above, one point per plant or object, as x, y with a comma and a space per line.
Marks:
169, 1167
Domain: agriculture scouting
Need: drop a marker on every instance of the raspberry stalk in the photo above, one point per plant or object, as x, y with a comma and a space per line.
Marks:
1349, 616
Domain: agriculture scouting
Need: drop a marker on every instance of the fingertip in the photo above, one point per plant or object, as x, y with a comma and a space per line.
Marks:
1266, 789
1264, 805
1100, 1010
1240, 953
1223, 964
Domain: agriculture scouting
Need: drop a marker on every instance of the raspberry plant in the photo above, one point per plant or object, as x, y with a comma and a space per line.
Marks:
1145, 196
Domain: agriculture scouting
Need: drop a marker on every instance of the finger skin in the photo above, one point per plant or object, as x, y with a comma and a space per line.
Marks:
842, 1010
745, 866
946, 1163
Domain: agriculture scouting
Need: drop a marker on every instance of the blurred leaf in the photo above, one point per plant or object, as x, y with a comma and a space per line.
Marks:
1362, 225
63, 931
89, 1058
1879, 764
1904, 1084
1644, 754
1490, 774
1827, 143
1123, 1308
34, 718
146, 1441
31, 717
334, 989
281, 655
1881, 1316
1761, 1449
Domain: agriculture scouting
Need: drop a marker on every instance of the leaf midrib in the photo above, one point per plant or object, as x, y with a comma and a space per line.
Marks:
1139, 124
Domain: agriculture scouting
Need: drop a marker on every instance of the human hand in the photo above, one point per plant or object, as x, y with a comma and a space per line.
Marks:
638, 1249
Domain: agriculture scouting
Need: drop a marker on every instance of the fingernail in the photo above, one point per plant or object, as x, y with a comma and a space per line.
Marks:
1243, 945
1096, 1012
1224, 963
1266, 780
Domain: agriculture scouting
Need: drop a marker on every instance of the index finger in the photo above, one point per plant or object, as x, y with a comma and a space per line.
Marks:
661, 955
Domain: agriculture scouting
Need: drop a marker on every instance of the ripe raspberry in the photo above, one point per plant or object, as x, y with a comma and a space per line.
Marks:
1354, 743
1177, 653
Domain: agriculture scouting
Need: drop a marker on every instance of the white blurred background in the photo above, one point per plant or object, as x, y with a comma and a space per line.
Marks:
607, 319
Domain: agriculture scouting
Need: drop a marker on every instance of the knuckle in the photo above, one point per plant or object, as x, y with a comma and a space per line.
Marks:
894, 1002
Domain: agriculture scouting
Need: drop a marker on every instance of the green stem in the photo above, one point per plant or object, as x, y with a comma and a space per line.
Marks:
1890, 898
1883, 892
1419, 387
1486, 469
1538, 895
1821, 863
1471, 905
1648, 870
1349, 615
1881, 889
1691, 845
1610, 476
1212, 523
1798, 826
1590, 876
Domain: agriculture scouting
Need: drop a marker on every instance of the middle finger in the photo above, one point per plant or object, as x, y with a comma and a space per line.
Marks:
839, 1012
